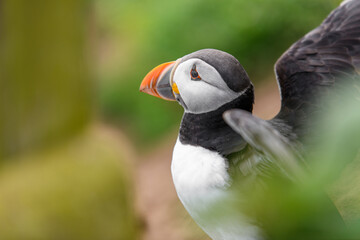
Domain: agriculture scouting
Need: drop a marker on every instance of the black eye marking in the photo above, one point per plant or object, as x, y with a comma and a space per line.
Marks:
194, 74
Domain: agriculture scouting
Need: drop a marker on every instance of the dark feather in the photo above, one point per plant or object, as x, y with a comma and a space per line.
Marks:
323, 58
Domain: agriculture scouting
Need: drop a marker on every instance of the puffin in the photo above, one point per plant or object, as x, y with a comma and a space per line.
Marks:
219, 137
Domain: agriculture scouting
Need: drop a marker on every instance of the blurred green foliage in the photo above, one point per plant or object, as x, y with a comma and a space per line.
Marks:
138, 35
316, 206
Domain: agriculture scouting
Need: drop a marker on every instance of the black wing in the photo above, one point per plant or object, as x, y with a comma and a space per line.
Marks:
317, 62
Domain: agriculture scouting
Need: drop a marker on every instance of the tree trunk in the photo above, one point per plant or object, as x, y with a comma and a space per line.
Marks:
45, 93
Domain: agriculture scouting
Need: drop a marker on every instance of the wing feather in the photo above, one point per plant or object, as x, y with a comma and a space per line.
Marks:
324, 57
272, 149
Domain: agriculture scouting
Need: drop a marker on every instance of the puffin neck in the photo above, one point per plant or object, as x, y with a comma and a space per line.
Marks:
210, 131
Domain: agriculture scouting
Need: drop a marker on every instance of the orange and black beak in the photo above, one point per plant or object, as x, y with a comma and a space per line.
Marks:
158, 82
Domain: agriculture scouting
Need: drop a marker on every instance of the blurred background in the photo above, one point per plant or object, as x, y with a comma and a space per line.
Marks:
83, 154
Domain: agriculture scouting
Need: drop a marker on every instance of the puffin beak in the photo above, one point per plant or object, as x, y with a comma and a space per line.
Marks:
158, 82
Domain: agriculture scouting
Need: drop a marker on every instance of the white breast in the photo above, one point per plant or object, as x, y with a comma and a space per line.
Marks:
201, 180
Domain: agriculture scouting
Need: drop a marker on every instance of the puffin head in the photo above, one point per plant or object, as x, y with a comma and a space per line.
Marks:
201, 82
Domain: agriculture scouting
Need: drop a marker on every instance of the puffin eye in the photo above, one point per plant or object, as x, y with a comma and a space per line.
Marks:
194, 74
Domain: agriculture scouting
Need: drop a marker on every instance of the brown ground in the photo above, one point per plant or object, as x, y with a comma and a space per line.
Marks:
162, 213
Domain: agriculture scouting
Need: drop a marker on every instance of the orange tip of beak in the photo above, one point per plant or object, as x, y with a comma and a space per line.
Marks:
150, 82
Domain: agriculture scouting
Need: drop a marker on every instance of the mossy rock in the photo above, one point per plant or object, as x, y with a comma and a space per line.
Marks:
80, 190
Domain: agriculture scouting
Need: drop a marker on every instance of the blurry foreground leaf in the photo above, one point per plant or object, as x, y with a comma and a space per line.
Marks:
303, 209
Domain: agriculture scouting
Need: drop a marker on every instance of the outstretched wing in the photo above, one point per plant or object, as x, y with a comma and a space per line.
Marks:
323, 58
267, 142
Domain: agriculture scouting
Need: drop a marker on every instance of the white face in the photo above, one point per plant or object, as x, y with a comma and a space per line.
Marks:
204, 94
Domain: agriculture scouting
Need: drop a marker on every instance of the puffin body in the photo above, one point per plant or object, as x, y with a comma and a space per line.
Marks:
202, 182
219, 136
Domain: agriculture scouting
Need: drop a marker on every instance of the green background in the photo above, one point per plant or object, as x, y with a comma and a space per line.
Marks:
69, 67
